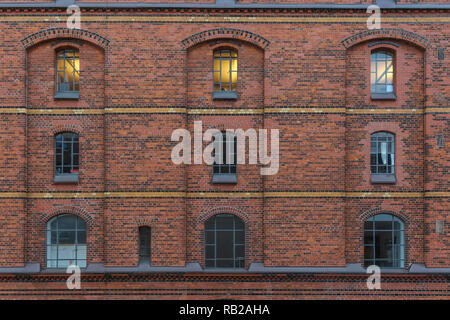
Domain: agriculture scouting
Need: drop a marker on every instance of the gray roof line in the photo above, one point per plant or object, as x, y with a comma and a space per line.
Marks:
222, 4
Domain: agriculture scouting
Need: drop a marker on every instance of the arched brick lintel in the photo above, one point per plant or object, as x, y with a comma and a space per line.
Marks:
225, 33
222, 210
373, 212
68, 210
387, 33
65, 33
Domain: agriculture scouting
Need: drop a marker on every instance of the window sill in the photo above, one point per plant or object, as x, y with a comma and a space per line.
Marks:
224, 178
383, 96
67, 95
67, 178
225, 95
383, 178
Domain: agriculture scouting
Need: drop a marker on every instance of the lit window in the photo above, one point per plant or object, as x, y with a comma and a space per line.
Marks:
225, 158
225, 70
382, 72
384, 242
382, 153
66, 241
66, 154
224, 242
68, 71
144, 245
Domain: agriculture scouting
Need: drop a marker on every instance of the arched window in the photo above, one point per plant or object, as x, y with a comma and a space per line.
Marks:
66, 241
382, 72
67, 73
384, 241
225, 70
144, 245
382, 157
224, 242
66, 157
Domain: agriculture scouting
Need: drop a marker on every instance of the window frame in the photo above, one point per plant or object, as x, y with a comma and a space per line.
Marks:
401, 246
67, 94
240, 260
49, 231
140, 260
229, 93
64, 177
383, 95
225, 177
382, 177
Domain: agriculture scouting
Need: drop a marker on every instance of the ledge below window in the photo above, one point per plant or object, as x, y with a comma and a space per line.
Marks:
383, 96
67, 95
382, 178
224, 178
225, 95
66, 178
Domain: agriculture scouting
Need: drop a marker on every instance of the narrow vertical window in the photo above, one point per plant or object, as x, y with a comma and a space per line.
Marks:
225, 74
382, 73
382, 157
144, 245
384, 241
66, 241
224, 242
225, 158
66, 157
67, 73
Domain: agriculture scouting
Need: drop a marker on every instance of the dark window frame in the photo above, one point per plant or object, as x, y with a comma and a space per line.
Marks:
66, 89
377, 173
382, 55
225, 172
225, 90
238, 261
372, 230
74, 166
80, 226
144, 259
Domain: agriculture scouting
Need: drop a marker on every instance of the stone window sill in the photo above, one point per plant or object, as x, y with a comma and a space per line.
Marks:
225, 95
224, 178
383, 96
67, 95
66, 178
383, 178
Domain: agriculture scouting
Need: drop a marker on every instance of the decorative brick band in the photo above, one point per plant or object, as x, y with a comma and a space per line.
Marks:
55, 33
391, 33
225, 33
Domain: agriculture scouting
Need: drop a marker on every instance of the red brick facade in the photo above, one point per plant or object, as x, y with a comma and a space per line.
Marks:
146, 71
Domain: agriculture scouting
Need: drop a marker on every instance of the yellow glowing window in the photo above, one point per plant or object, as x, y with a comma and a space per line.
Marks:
382, 72
225, 70
68, 70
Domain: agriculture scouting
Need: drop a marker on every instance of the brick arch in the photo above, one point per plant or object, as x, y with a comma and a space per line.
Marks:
65, 33
145, 222
374, 211
222, 210
69, 210
66, 128
225, 33
387, 33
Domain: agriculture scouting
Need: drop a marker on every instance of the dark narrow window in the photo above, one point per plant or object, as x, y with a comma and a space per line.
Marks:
224, 242
225, 74
382, 157
66, 241
384, 241
66, 155
225, 158
68, 71
382, 72
144, 245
